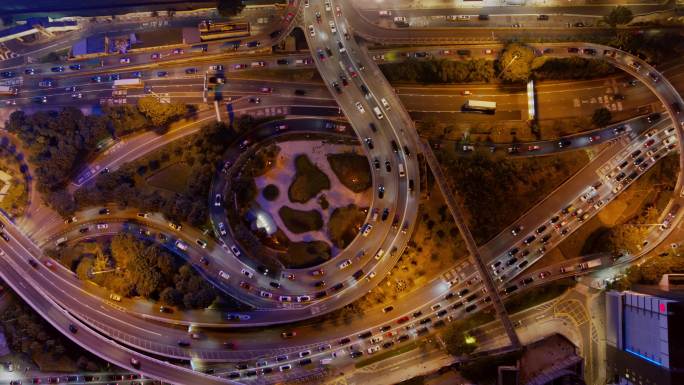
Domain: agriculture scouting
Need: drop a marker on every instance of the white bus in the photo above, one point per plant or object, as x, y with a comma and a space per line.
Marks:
479, 105
128, 83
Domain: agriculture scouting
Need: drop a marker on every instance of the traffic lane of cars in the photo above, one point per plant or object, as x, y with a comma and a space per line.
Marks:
579, 208
554, 201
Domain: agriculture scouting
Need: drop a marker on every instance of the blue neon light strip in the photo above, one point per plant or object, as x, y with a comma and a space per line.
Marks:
644, 357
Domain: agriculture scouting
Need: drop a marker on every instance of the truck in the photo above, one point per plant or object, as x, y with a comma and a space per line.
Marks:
589, 265
479, 105
199, 48
128, 83
8, 91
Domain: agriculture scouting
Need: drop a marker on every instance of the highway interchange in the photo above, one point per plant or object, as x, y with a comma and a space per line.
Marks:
129, 327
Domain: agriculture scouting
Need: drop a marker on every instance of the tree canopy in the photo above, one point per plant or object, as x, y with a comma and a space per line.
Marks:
601, 117
515, 63
619, 15
229, 7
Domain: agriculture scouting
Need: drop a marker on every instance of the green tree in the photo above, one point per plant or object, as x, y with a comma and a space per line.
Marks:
229, 7
161, 114
618, 16
515, 63
458, 341
601, 117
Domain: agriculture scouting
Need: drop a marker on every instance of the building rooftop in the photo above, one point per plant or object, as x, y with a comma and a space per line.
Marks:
89, 45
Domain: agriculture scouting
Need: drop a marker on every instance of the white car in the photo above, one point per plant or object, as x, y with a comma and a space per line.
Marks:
217, 201
373, 349
222, 228
235, 250
285, 298
332, 26
345, 264
376, 339
224, 275
102, 226
370, 276
247, 273
125, 60
359, 107
303, 298
266, 294
670, 140
312, 31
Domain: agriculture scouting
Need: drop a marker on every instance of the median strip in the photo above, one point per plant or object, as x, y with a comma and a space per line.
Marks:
392, 353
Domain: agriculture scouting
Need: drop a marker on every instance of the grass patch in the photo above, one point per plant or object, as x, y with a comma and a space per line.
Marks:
172, 178
344, 224
309, 180
352, 170
301, 255
496, 189
299, 221
388, 354
270, 192
537, 295
262, 161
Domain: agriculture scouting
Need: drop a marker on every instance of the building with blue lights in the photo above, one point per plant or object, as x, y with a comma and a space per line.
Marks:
645, 336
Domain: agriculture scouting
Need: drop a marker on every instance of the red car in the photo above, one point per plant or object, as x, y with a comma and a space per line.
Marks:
245, 285
352, 73
594, 138
544, 274
289, 17
533, 148
266, 90
402, 319
649, 143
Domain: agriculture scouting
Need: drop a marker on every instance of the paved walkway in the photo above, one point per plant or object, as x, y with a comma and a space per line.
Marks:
283, 174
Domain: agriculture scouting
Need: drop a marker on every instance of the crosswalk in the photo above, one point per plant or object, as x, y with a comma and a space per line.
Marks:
6, 53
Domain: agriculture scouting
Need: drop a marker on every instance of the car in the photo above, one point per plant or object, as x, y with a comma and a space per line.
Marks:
516, 230
190, 71
57, 69
40, 99
513, 251
346, 263
162, 74
183, 343
284, 368
373, 349
381, 191
529, 239
594, 138
388, 309
102, 226
533, 148
104, 211
359, 107
288, 334
247, 273
355, 354
402, 319
337, 287
216, 67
